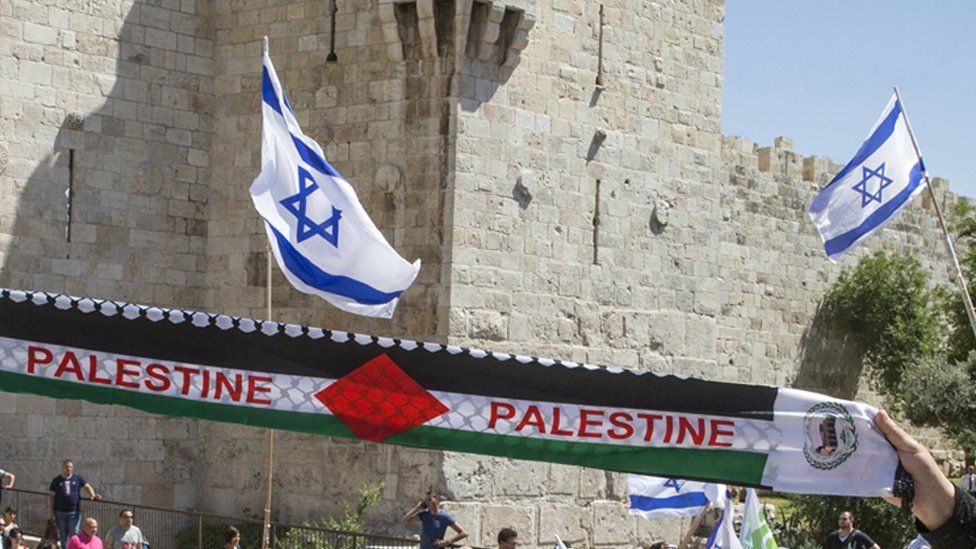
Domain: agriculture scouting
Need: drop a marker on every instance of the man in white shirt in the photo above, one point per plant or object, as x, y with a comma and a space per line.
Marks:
124, 535
968, 481
6, 480
919, 543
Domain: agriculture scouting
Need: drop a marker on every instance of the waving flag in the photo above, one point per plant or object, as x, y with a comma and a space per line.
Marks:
881, 179
755, 532
657, 497
427, 395
324, 241
723, 535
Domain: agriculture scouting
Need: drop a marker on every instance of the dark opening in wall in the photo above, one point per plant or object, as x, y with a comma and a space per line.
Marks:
444, 24
509, 25
476, 31
409, 30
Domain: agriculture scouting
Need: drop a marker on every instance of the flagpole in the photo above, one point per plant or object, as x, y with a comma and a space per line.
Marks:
694, 526
964, 288
266, 536
266, 533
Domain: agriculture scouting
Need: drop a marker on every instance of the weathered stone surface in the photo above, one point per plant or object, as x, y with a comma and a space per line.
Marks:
523, 518
467, 130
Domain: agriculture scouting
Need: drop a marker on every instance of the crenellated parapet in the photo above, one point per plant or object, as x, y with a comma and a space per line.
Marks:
780, 159
425, 29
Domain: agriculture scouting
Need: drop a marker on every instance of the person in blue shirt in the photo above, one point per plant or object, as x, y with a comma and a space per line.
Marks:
433, 523
64, 496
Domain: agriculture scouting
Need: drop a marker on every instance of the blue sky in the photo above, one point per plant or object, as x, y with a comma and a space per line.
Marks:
821, 72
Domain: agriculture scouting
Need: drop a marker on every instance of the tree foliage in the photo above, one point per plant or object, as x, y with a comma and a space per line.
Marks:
960, 341
942, 393
886, 305
811, 518
342, 528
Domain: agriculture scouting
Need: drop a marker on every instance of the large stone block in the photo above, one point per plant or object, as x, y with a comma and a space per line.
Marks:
612, 524
522, 517
569, 522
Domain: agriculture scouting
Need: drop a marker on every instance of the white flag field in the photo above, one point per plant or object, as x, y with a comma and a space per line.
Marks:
723, 535
881, 179
660, 497
322, 238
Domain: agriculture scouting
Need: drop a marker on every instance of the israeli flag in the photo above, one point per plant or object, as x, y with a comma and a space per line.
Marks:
883, 177
657, 497
723, 535
323, 239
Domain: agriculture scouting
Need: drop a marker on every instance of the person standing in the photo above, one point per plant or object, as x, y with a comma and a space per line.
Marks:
9, 520
88, 538
232, 538
63, 498
51, 534
968, 481
125, 534
433, 523
848, 537
6, 481
507, 539
14, 540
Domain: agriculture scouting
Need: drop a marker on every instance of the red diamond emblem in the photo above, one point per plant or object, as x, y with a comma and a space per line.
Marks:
379, 400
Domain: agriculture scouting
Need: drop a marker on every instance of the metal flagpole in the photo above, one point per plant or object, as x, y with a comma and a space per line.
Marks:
945, 231
266, 533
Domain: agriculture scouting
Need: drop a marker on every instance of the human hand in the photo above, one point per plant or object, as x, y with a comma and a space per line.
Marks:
441, 543
935, 497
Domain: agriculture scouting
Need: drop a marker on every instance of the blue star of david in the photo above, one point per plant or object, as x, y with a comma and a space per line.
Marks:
862, 185
297, 205
675, 483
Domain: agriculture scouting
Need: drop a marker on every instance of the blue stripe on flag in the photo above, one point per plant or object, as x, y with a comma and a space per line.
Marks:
842, 242
718, 526
313, 158
878, 138
313, 276
268, 92
680, 501
308, 154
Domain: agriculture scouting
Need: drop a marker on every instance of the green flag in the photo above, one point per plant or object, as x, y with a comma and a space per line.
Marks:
755, 532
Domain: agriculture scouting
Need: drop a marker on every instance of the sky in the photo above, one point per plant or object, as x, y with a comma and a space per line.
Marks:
821, 73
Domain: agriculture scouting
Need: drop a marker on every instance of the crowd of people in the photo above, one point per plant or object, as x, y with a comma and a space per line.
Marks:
945, 514
65, 528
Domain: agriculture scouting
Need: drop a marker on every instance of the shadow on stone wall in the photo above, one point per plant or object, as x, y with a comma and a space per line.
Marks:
830, 362
136, 228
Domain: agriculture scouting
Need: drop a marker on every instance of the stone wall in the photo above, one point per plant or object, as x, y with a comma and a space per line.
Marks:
111, 99
587, 228
774, 270
609, 224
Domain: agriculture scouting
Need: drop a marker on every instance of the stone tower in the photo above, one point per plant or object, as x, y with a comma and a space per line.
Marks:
608, 223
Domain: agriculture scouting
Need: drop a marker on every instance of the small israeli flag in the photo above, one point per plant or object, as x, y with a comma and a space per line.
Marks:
324, 241
723, 535
658, 497
884, 175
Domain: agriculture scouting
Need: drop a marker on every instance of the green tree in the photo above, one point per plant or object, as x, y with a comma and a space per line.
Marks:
943, 394
811, 518
886, 305
350, 521
962, 220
